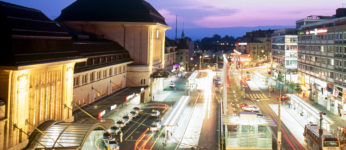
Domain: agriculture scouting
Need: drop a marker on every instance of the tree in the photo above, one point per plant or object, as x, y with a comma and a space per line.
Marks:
280, 77
298, 88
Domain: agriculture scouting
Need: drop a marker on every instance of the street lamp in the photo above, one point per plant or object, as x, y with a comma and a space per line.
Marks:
200, 62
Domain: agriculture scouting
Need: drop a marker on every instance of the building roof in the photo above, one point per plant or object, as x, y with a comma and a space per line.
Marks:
29, 37
90, 46
183, 44
111, 10
170, 43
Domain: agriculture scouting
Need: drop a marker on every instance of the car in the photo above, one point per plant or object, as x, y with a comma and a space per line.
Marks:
172, 85
107, 136
113, 145
133, 114
259, 115
251, 108
283, 98
218, 83
243, 105
154, 113
120, 123
127, 119
115, 130
137, 109
154, 127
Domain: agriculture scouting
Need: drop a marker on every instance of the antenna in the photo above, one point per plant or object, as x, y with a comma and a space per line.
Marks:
182, 33
176, 26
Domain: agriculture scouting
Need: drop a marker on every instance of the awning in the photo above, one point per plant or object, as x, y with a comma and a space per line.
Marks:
67, 135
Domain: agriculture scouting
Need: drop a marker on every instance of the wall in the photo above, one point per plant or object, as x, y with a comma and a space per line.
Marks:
33, 95
112, 79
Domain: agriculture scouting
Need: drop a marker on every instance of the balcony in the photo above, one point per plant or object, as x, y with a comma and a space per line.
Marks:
330, 54
330, 67
330, 79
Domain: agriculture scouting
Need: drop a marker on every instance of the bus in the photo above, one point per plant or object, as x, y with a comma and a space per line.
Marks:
311, 137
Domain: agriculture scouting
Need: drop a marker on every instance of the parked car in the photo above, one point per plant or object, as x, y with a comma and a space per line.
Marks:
154, 127
127, 119
111, 144
172, 85
115, 130
107, 135
251, 108
120, 123
283, 98
137, 109
154, 113
260, 115
133, 114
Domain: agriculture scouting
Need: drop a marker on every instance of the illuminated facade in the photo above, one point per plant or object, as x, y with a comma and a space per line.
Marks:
285, 53
136, 26
170, 53
322, 63
36, 73
104, 72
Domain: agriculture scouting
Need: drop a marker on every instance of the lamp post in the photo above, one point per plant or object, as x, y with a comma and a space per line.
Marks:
279, 124
320, 131
200, 62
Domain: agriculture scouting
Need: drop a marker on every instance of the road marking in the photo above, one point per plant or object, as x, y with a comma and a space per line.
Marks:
136, 128
157, 138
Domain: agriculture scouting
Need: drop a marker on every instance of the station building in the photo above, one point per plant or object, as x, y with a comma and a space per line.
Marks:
135, 25
37, 62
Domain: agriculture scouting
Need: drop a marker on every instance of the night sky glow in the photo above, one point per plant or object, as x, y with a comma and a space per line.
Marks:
218, 13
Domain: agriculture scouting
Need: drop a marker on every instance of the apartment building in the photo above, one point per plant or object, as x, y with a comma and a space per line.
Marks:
322, 63
285, 54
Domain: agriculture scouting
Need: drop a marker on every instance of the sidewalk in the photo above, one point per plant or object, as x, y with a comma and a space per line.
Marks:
338, 121
292, 123
93, 109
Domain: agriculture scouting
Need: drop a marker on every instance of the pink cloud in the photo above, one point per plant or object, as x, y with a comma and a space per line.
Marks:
169, 17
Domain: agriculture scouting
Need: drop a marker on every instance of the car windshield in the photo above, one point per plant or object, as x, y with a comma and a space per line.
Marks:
120, 122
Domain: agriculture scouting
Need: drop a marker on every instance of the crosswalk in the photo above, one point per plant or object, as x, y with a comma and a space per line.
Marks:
270, 121
256, 96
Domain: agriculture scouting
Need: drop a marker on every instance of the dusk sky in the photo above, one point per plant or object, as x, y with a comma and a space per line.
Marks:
218, 13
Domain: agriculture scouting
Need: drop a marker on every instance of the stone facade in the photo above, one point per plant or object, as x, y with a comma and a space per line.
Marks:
34, 94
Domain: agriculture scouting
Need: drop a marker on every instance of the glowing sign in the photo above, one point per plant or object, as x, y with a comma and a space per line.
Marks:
317, 31
101, 114
130, 97
113, 106
242, 43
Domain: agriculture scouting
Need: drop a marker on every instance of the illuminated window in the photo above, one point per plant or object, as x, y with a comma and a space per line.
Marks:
92, 76
85, 79
99, 75
110, 72
76, 81
104, 73
157, 33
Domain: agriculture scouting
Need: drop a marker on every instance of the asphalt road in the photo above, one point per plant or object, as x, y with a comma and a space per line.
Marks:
208, 136
288, 139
